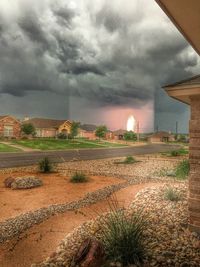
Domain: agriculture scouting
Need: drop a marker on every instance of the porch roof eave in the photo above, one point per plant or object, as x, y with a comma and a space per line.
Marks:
183, 93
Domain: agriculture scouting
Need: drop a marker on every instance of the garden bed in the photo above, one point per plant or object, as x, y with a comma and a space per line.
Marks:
167, 240
56, 189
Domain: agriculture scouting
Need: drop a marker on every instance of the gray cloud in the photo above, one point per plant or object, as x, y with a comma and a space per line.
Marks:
109, 53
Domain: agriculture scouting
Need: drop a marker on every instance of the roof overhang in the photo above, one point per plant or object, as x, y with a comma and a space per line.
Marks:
185, 15
183, 93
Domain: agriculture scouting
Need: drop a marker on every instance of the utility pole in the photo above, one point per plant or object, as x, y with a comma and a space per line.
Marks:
176, 127
157, 128
138, 131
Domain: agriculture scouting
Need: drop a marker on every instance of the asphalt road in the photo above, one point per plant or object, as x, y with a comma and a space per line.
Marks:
30, 158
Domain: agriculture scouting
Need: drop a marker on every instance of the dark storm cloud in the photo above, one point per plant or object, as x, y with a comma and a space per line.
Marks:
110, 55
85, 68
64, 16
31, 26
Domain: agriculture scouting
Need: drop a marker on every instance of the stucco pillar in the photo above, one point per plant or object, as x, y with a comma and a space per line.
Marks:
194, 179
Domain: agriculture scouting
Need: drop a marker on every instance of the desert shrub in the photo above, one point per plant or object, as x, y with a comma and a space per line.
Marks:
183, 169
26, 182
62, 136
45, 165
179, 152
172, 194
122, 237
174, 153
129, 160
79, 177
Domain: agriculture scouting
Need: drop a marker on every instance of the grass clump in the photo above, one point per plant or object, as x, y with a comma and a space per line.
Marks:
45, 165
122, 237
172, 194
79, 177
129, 160
176, 153
182, 170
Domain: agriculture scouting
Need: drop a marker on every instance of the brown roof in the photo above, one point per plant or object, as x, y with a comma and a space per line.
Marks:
161, 134
119, 132
10, 116
191, 81
45, 123
3, 116
88, 127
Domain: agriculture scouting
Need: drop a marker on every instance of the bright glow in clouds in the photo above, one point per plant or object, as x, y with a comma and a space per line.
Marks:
131, 123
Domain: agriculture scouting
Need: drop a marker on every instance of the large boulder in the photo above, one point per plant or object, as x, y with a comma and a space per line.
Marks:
90, 254
26, 182
8, 182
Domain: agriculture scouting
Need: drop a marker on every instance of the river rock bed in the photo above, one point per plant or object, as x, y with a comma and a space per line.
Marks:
167, 240
148, 168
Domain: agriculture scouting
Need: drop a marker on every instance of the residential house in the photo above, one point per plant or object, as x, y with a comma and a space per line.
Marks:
50, 127
119, 134
10, 127
161, 137
87, 131
185, 15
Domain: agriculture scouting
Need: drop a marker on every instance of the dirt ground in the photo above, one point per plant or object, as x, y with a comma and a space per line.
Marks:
41, 240
56, 190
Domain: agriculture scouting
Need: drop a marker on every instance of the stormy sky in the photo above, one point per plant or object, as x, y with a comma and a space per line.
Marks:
93, 61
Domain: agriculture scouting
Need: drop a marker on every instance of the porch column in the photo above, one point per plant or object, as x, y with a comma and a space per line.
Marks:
194, 180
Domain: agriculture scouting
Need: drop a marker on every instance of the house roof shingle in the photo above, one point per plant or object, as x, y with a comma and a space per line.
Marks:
161, 134
88, 127
45, 123
119, 132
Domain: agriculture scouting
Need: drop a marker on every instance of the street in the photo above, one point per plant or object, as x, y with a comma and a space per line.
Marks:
29, 158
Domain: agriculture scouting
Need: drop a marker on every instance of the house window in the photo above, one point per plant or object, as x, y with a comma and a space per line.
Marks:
38, 133
8, 131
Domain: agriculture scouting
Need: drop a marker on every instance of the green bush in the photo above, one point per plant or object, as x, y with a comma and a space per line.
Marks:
183, 169
122, 237
62, 136
28, 128
79, 177
174, 153
129, 160
45, 165
130, 136
172, 194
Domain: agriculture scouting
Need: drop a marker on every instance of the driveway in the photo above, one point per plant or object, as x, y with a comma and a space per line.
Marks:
29, 158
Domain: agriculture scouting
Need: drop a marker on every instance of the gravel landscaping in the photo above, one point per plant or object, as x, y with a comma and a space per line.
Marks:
148, 168
15, 226
136, 173
167, 240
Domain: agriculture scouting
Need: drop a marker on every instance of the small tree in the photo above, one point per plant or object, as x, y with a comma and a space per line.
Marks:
74, 129
28, 128
101, 131
130, 136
